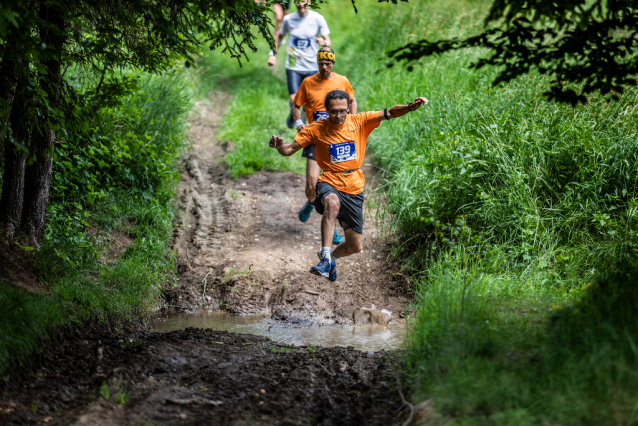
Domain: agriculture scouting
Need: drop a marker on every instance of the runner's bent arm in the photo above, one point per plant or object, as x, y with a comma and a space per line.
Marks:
401, 110
323, 41
284, 149
353, 105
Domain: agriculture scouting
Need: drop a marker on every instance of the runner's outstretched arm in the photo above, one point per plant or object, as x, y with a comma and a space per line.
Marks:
400, 110
284, 149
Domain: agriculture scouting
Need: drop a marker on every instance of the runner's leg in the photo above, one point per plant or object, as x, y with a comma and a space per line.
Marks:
331, 210
279, 16
312, 174
352, 245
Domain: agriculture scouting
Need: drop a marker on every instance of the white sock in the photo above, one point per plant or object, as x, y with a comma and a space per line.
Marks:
326, 252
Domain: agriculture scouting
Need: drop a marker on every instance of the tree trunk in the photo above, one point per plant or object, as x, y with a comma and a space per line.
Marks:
39, 173
11, 202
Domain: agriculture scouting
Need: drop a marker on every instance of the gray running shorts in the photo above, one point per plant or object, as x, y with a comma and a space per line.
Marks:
351, 212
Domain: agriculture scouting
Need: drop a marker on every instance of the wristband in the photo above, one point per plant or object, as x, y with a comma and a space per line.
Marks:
409, 107
298, 123
272, 53
385, 114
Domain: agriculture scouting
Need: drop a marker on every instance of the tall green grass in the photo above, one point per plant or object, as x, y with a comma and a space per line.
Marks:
532, 323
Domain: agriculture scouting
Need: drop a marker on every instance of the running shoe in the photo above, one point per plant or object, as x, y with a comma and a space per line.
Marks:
324, 269
305, 211
336, 238
333, 271
289, 121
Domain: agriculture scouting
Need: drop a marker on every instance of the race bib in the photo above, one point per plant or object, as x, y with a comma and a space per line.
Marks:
319, 115
343, 151
301, 43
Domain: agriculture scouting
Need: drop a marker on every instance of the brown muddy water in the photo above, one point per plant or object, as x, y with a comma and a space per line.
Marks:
368, 338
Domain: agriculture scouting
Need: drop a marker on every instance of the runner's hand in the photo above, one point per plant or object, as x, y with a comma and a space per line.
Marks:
276, 142
271, 61
320, 41
418, 102
300, 128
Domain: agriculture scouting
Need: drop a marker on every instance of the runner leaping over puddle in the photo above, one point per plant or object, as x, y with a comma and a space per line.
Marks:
341, 139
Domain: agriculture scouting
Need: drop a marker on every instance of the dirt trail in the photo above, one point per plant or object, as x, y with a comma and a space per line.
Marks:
246, 237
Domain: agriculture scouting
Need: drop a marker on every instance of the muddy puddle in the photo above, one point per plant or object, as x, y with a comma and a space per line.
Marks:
370, 338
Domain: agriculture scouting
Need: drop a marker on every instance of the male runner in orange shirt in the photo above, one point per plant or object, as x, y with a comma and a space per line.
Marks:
340, 142
312, 93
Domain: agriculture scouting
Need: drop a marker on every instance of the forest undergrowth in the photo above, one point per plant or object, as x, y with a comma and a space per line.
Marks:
116, 177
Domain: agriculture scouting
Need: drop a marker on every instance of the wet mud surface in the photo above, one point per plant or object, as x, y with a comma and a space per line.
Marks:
196, 376
240, 248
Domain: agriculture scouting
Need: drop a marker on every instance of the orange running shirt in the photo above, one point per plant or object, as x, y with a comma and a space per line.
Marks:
343, 147
313, 91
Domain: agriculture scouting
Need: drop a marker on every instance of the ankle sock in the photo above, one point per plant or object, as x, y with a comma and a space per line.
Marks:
326, 252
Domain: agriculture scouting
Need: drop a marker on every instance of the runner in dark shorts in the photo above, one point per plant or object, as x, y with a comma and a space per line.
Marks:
340, 142
311, 95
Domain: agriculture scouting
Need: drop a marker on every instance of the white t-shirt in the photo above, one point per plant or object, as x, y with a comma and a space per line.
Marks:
302, 46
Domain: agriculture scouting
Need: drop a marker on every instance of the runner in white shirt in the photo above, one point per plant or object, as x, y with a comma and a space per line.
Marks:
302, 27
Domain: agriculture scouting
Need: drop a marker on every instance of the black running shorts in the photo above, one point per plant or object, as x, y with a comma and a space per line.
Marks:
351, 211
310, 152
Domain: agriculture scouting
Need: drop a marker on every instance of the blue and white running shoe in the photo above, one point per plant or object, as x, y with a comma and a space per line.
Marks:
336, 238
305, 211
332, 273
322, 269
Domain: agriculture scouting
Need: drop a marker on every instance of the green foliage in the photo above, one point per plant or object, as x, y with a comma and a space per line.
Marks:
129, 155
105, 391
257, 110
590, 44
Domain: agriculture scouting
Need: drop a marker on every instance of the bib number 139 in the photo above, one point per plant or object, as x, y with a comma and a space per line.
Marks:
344, 151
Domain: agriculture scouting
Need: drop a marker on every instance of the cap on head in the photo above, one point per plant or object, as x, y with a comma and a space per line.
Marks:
326, 54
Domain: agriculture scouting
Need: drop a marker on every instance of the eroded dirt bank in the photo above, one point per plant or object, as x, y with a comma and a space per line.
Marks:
241, 239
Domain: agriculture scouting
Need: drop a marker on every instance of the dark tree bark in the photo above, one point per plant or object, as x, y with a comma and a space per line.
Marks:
11, 202
39, 172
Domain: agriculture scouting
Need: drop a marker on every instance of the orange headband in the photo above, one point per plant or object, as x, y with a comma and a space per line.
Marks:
326, 56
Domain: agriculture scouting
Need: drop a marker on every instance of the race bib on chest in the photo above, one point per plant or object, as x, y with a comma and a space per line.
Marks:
344, 151
301, 43
319, 115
